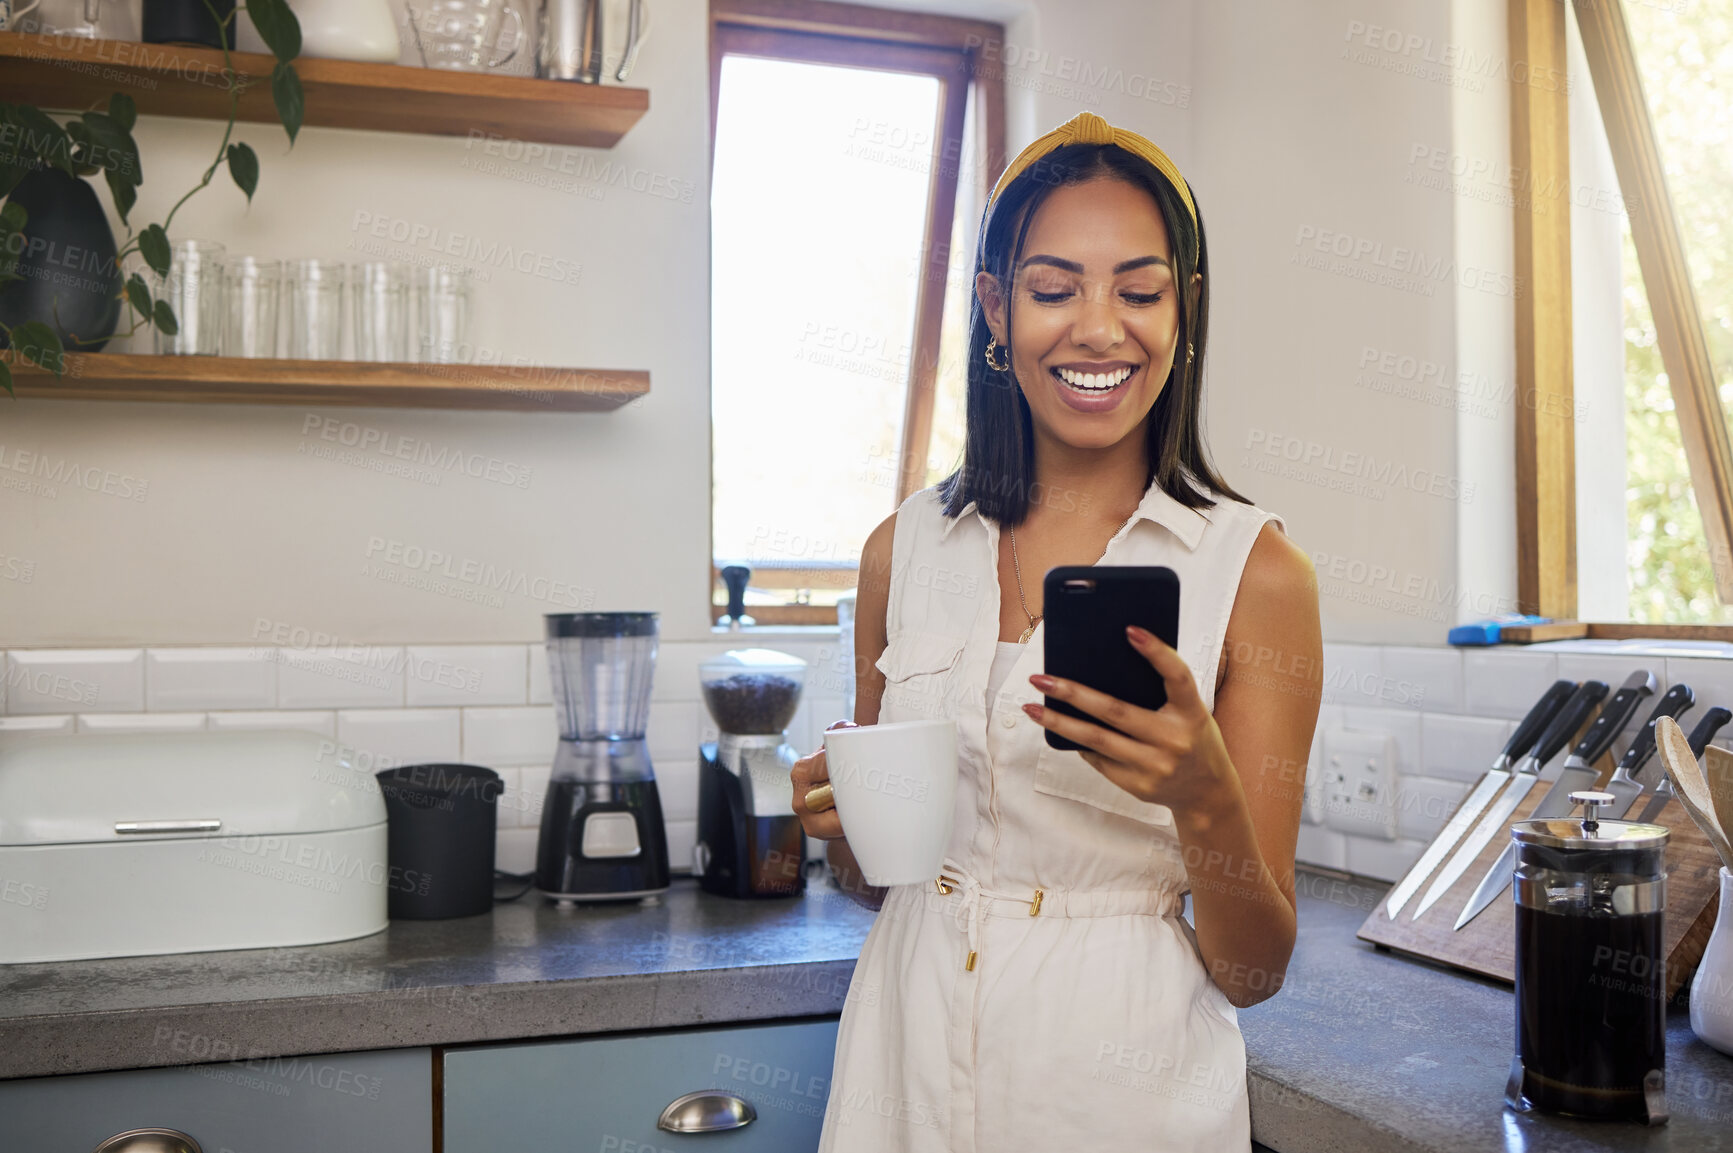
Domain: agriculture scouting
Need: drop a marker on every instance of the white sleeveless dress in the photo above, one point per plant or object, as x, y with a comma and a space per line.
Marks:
1088, 1021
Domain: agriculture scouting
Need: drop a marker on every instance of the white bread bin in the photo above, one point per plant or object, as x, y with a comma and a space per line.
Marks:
119, 846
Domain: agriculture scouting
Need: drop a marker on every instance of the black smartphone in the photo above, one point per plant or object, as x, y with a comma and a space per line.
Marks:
1086, 610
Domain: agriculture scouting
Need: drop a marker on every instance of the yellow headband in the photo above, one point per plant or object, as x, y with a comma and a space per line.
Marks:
1088, 128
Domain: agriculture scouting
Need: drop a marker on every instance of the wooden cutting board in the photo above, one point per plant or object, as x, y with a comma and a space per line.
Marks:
1487, 944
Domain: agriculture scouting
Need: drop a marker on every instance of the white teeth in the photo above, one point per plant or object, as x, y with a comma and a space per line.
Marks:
1094, 381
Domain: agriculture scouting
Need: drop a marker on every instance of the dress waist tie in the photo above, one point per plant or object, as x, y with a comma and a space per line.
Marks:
978, 900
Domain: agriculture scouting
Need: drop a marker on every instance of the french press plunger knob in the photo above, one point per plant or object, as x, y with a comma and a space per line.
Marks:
1592, 802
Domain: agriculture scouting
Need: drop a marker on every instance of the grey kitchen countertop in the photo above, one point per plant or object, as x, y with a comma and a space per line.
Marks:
1362, 1051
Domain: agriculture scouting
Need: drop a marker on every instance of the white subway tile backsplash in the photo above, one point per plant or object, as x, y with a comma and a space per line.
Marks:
1611, 669
383, 738
1401, 724
38, 724
1353, 674
1423, 804
677, 666
541, 689
534, 782
1323, 847
70, 680
215, 678
1712, 681
1500, 683
677, 786
510, 736
466, 675
514, 851
140, 722
1383, 860
1431, 677
321, 721
1460, 748
682, 835
672, 731
354, 677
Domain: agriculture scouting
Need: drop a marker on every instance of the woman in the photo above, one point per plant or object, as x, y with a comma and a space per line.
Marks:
1045, 992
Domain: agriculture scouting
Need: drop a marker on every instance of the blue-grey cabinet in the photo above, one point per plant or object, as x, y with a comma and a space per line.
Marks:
378, 1102
604, 1095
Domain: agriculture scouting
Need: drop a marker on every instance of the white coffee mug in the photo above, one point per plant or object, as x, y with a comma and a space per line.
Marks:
895, 786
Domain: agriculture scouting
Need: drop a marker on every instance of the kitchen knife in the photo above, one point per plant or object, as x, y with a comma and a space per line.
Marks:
1625, 787
1711, 723
1578, 773
1521, 741
1564, 725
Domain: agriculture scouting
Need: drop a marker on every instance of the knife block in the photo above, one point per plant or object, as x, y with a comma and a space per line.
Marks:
1487, 944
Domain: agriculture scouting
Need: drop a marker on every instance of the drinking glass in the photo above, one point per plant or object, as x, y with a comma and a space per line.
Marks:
194, 289
379, 302
254, 287
315, 292
442, 297
465, 34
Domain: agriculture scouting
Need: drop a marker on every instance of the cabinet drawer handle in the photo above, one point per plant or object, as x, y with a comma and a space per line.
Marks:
150, 1141
706, 1111
158, 828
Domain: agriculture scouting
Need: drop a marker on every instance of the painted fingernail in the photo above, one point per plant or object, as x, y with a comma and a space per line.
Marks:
1042, 681
1138, 636
1034, 711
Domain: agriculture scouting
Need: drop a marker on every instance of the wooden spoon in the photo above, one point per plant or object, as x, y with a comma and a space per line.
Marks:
1690, 786
1719, 772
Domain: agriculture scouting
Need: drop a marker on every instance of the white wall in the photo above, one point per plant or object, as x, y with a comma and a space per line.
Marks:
1291, 128
241, 524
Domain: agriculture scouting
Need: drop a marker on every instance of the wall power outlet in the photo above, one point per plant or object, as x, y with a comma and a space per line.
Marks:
1359, 782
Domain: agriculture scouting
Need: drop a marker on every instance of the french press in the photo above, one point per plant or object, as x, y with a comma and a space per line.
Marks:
1590, 966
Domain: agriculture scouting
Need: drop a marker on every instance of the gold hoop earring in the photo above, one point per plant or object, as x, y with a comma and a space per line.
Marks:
996, 366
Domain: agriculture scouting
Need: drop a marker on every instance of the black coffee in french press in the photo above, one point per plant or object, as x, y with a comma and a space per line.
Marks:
1591, 896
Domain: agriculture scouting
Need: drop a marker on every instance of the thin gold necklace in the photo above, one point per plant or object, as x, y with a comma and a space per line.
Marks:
1021, 603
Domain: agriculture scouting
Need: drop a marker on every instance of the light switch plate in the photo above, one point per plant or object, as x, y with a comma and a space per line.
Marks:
1359, 779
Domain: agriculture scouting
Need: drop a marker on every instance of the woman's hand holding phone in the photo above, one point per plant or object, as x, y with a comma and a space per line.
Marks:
1171, 756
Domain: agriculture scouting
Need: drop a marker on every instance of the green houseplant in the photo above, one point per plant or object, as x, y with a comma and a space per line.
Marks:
96, 141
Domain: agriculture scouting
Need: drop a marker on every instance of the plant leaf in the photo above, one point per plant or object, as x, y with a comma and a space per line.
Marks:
6, 380
278, 28
138, 295
244, 167
12, 221
125, 193
37, 343
153, 245
123, 111
44, 138
164, 318
291, 104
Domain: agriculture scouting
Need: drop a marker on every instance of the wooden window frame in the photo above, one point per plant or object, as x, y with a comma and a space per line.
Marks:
951, 49
1545, 446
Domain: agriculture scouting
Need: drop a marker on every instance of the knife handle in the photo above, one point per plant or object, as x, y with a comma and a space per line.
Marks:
1614, 717
1529, 731
1570, 718
1711, 723
1677, 701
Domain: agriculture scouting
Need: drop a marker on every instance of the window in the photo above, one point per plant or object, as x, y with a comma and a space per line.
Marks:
849, 165
1659, 79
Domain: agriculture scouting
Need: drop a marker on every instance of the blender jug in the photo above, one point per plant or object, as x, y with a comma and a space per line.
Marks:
602, 836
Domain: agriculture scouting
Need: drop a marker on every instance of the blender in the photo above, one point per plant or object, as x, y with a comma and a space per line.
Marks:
602, 835
750, 843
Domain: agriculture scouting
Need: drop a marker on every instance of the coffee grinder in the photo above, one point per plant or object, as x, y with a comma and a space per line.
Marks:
602, 835
750, 843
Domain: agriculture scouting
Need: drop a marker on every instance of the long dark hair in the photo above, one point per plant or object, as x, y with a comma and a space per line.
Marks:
998, 469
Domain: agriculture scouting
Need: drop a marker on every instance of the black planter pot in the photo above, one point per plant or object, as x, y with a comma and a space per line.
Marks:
69, 278
186, 22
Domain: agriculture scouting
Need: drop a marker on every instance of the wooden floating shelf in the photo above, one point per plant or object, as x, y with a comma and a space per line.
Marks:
167, 80
233, 380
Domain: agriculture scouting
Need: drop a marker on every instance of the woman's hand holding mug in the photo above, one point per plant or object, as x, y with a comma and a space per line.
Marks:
813, 802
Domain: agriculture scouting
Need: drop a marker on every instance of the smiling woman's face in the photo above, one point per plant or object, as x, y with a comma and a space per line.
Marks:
1094, 312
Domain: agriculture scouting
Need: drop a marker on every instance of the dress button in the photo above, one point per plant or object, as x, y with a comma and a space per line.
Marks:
1009, 720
